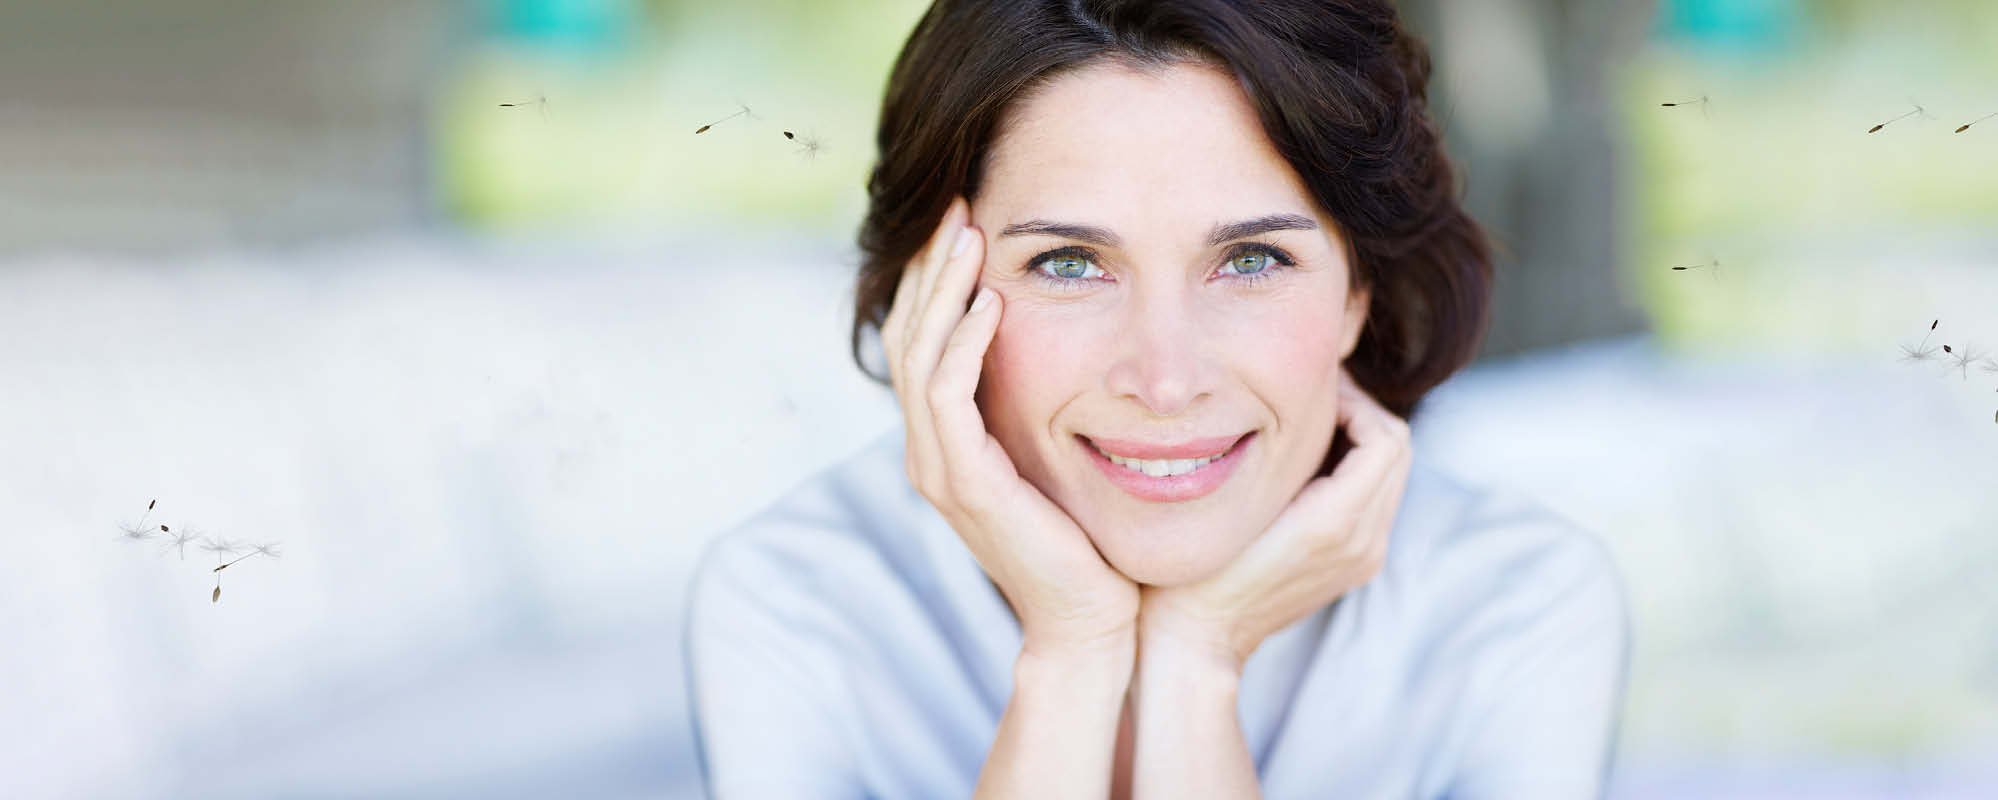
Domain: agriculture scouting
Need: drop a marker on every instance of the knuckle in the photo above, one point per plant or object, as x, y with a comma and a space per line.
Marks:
922, 477
1376, 549
961, 485
965, 492
1355, 548
939, 392
1375, 560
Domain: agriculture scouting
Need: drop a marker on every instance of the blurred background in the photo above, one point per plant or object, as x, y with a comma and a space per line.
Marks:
450, 301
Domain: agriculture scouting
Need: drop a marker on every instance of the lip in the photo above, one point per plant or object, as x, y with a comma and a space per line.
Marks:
1172, 488
1145, 451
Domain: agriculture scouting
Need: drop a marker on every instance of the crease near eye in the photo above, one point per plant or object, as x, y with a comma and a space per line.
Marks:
1254, 262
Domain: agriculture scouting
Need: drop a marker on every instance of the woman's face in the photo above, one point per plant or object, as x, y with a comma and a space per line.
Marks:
1168, 327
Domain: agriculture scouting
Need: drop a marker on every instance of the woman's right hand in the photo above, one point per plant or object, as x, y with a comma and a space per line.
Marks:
1065, 594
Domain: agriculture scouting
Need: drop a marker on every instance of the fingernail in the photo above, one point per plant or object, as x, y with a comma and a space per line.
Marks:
964, 236
984, 299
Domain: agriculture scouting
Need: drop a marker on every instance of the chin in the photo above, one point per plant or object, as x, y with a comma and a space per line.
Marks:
1173, 553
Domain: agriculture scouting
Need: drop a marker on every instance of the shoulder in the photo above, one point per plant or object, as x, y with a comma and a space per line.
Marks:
1483, 554
1518, 615
778, 608
845, 529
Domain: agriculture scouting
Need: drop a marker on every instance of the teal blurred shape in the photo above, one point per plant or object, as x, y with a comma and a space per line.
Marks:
1738, 25
592, 26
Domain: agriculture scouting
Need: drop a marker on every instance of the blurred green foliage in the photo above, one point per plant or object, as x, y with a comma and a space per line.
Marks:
1829, 236
1824, 231
614, 147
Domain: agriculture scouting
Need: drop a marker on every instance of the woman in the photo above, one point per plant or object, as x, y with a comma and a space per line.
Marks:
1158, 284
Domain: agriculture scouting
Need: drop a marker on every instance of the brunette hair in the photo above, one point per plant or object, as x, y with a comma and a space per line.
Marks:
1339, 86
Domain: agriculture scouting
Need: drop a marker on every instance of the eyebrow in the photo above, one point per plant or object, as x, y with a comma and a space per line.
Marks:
1104, 237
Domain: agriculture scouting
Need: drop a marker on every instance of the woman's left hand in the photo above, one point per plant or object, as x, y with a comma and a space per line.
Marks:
1330, 540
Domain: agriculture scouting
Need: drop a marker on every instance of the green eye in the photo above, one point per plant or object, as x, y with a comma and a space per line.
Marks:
1069, 266
1250, 263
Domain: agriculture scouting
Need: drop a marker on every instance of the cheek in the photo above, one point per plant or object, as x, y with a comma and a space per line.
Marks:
1031, 365
1295, 347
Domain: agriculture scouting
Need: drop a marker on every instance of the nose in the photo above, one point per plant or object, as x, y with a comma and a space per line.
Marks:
1159, 357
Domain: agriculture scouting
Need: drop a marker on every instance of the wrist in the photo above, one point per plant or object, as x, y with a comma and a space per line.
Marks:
1113, 644
1077, 677
1107, 654
1190, 642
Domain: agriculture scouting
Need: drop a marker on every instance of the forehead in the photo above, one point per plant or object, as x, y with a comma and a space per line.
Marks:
1120, 146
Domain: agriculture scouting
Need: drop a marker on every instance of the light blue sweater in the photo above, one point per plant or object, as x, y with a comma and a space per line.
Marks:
844, 643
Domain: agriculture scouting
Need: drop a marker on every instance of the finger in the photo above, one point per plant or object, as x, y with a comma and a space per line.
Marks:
934, 260
1377, 432
928, 330
909, 298
905, 297
1377, 522
912, 275
1328, 506
1366, 421
955, 217
960, 429
898, 316
942, 309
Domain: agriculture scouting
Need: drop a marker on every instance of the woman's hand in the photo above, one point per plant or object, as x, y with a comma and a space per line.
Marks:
1067, 597
1330, 540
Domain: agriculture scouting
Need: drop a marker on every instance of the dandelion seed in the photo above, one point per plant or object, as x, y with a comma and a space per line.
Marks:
1713, 264
1702, 103
1967, 125
268, 549
809, 146
217, 596
539, 101
254, 551
1961, 362
179, 542
1918, 110
220, 547
1988, 365
138, 531
745, 110
1921, 352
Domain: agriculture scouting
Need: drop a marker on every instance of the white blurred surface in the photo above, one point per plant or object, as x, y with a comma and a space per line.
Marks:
490, 467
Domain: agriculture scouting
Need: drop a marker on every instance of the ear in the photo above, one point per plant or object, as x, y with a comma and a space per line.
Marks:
1355, 320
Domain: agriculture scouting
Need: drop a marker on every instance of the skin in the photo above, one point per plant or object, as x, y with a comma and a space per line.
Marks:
1167, 340
1137, 616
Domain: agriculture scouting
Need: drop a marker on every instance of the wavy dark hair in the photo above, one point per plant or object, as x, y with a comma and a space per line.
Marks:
1338, 85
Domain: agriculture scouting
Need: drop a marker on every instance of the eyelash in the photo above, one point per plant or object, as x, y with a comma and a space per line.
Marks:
1282, 262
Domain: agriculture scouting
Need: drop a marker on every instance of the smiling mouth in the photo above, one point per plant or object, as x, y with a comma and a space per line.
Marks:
1164, 467
1204, 467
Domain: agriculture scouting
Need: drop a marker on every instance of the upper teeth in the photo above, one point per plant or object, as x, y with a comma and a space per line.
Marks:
1159, 468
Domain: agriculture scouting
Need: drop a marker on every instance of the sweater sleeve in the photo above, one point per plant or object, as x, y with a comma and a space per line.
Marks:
1547, 725
763, 680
